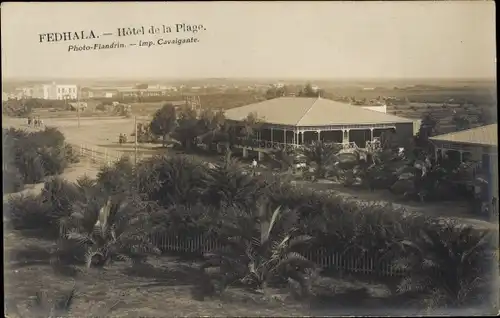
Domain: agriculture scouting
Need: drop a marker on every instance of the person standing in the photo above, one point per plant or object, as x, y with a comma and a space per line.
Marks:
254, 166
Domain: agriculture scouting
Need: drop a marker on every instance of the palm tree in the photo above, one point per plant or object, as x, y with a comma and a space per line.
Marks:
323, 156
257, 248
449, 264
226, 184
115, 231
284, 158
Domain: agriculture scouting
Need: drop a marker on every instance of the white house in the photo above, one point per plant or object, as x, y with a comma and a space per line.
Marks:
55, 91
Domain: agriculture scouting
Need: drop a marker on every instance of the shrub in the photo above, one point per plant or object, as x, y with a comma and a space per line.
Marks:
12, 180
117, 230
449, 265
172, 180
28, 212
117, 178
36, 155
228, 185
59, 197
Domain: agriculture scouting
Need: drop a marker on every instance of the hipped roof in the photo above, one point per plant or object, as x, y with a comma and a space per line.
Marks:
303, 112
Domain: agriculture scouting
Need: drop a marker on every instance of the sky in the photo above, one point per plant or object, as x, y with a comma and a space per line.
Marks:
336, 40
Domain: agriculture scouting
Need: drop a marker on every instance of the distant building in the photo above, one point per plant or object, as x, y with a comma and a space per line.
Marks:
147, 92
55, 91
98, 92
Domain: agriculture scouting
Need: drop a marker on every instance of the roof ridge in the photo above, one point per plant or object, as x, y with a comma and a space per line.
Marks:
307, 111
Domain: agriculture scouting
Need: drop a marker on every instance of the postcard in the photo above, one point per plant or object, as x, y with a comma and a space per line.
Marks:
253, 158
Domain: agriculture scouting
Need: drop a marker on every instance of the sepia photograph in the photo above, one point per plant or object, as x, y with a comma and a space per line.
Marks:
250, 159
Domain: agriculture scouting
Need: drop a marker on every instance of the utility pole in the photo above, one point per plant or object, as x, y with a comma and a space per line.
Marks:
78, 104
135, 164
135, 130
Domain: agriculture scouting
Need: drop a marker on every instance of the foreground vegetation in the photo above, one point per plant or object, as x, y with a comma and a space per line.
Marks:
269, 233
264, 227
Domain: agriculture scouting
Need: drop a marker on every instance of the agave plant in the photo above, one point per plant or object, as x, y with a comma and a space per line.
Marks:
257, 248
450, 265
113, 232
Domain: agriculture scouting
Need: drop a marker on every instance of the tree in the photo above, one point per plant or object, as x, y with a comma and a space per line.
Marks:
164, 122
226, 184
142, 86
322, 156
275, 92
427, 129
309, 91
251, 125
485, 117
461, 122
211, 127
187, 128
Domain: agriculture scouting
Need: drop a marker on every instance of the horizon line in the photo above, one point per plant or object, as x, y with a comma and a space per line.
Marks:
143, 78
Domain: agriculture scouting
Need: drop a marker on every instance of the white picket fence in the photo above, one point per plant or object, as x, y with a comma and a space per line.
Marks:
324, 258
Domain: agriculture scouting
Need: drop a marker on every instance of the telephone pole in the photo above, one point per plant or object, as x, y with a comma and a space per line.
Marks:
78, 104
135, 133
135, 159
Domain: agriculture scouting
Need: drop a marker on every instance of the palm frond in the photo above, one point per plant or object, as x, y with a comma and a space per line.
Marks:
80, 238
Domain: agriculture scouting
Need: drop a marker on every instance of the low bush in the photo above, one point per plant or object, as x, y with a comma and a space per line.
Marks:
117, 178
36, 155
12, 180
28, 212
